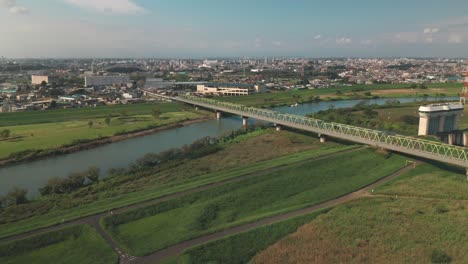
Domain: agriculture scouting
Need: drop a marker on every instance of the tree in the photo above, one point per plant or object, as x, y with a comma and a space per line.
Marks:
156, 113
423, 86
53, 104
93, 174
90, 124
108, 120
43, 84
5, 133
18, 195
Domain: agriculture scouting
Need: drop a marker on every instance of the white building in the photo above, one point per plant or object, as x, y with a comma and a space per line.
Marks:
225, 89
105, 80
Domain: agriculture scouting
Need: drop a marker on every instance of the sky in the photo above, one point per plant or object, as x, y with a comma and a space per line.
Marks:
222, 28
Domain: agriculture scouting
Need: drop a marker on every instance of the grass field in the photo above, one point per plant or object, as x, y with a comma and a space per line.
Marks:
419, 217
83, 246
156, 227
245, 157
379, 230
240, 248
428, 181
352, 92
42, 130
64, 115
52, 135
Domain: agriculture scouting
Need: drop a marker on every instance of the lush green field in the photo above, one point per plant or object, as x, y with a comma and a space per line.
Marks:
64, 115
428, 181
155, 227
190, 174
240, 248
345, 92
379, 230
52, 135
77, 244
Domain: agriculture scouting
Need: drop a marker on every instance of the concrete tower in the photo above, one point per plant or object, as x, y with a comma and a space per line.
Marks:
439, 118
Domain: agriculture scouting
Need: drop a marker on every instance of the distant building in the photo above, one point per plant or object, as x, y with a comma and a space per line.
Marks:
38, 79
225, 89
105, 80
6, 107
439, 118
157, 83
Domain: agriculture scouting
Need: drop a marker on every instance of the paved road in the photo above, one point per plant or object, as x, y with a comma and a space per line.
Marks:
179, 248
93, 220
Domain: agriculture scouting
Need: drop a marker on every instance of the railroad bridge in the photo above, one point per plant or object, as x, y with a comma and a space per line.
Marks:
404, 144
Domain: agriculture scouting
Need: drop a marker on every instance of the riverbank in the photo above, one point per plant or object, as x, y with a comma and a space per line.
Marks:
31, 155
361, 92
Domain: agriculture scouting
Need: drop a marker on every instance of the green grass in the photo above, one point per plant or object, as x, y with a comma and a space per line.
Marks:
301, 96
64, 115
85, 245
116, 201
428, 181
240, 248
52, 135
378, 230
148, 229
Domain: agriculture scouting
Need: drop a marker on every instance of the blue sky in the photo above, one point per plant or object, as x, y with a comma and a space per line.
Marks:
209, 28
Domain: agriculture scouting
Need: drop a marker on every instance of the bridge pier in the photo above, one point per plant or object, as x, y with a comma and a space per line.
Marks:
450, 138
466, 169
218, 115
245, 121
278, 128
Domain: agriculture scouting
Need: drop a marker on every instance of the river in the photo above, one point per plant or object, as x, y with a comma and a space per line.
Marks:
33, 175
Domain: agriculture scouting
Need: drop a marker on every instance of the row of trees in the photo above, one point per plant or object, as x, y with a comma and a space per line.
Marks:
14, 197
73, 182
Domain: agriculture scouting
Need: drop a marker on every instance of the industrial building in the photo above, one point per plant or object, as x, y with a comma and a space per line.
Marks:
226, 89
439, 118
157, 83
38, 79
105, 80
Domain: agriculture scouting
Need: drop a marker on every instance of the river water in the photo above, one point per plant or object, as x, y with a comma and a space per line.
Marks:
33, 175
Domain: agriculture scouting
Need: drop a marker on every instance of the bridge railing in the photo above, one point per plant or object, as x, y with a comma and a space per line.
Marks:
412, 144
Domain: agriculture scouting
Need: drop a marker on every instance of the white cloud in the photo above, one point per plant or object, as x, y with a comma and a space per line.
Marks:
344, 41
123, 7
431, 30
12, 7
258, 43
277, 43
317, 37
455, 39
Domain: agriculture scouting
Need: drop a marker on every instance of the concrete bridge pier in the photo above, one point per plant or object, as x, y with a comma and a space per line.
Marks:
323, 138
466, 169
245, 121
218, 115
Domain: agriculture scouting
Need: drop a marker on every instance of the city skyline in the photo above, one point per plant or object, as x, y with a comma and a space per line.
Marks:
125, 28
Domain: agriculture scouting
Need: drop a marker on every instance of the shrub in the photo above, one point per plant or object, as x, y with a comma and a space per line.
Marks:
439, 256
5, 133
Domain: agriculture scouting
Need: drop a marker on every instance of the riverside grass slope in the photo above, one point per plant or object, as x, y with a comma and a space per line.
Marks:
419, 217
148, 229
75, 244
43, 130
245, 155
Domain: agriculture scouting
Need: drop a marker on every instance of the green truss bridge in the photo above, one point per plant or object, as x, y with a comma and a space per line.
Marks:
413, 146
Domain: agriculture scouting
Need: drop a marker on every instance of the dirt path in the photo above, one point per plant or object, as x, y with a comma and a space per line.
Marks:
179, 248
